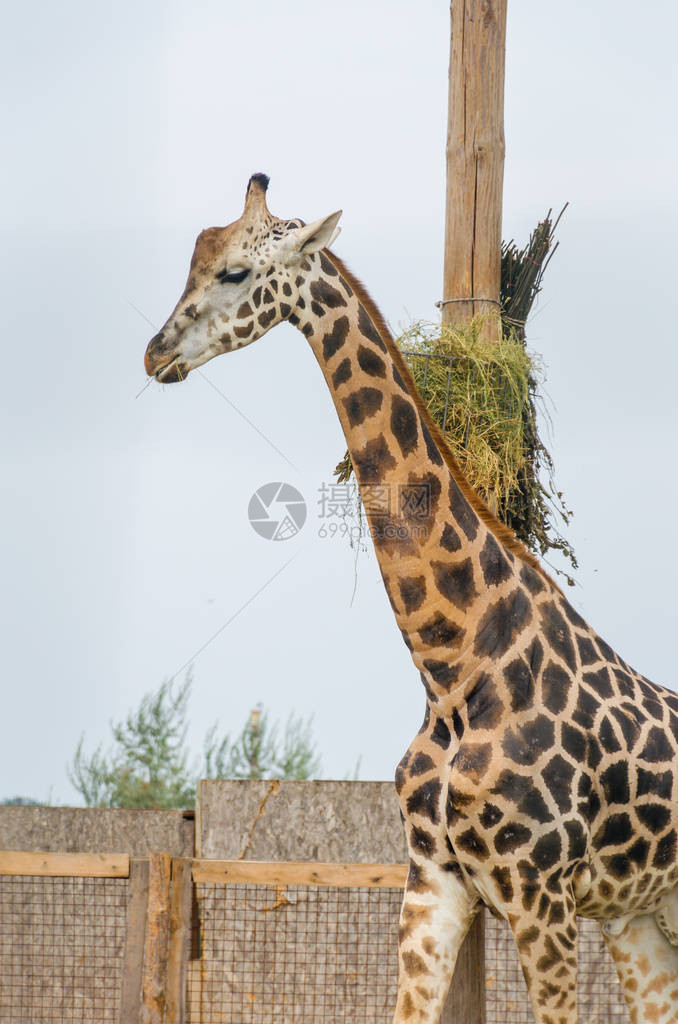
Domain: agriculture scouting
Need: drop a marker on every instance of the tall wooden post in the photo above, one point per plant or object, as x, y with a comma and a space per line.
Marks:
465, 1003
154, 974
475, 160
471, 282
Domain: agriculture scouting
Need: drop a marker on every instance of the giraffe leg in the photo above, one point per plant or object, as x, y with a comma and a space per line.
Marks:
436, 914
647, 965
545, 934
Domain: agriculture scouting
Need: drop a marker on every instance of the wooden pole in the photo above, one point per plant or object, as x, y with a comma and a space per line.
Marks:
465, 1003
135, 934
471, 279
179, 945
475, 161
156, 940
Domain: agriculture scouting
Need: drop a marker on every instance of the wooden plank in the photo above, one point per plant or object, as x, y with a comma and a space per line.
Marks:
181, 892
465, 1003
475, 161
299, 873
137, 904
68, 865
156, 939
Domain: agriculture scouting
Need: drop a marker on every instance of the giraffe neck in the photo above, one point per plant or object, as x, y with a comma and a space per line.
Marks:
447, 564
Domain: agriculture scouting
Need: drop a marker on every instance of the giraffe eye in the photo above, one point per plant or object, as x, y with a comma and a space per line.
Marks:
232, 276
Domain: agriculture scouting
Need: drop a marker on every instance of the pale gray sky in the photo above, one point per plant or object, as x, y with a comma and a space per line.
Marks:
127, 129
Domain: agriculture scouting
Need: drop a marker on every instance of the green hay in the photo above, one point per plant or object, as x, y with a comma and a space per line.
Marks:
476, 390
482, 393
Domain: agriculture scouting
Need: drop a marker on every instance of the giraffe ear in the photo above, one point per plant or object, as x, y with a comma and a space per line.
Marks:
318, 235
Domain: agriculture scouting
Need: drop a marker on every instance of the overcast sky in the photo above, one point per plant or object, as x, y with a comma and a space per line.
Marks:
131, 126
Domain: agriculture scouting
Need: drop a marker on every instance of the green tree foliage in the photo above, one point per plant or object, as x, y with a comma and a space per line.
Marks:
148, 765
261, 751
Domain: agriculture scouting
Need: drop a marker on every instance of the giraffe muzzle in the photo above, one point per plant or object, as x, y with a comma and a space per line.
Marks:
159, 364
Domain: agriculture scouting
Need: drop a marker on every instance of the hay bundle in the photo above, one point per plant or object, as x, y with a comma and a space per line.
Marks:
476, 391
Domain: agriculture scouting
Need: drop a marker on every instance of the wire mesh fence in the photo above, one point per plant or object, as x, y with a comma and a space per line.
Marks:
599, 993
303, 954
298, 954
599, 996
61, 949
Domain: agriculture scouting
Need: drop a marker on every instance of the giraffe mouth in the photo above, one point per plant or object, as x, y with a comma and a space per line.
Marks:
172, 372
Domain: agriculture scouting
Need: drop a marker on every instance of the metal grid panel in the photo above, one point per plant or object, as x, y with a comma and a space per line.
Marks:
61, 949
299, 954
598, 989
598, 993
303, 954
506, 998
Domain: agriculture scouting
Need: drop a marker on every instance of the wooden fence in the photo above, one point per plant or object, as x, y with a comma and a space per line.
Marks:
109, 939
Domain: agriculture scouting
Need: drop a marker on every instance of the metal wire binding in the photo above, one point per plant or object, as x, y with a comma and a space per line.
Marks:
471, 298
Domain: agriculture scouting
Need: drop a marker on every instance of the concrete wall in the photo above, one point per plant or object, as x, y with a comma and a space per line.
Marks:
323, 821
96, 830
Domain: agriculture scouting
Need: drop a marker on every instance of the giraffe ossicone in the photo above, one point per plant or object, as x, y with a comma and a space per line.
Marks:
543, 782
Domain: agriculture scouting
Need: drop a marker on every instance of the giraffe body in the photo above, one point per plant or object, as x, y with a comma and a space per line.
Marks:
542, 782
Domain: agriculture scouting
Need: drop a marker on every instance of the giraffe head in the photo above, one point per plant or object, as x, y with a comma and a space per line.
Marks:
243, 280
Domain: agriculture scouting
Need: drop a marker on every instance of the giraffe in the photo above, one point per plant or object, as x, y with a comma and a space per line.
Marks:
542, 783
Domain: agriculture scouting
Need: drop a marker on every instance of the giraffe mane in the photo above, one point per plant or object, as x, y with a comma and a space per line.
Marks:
502, 532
